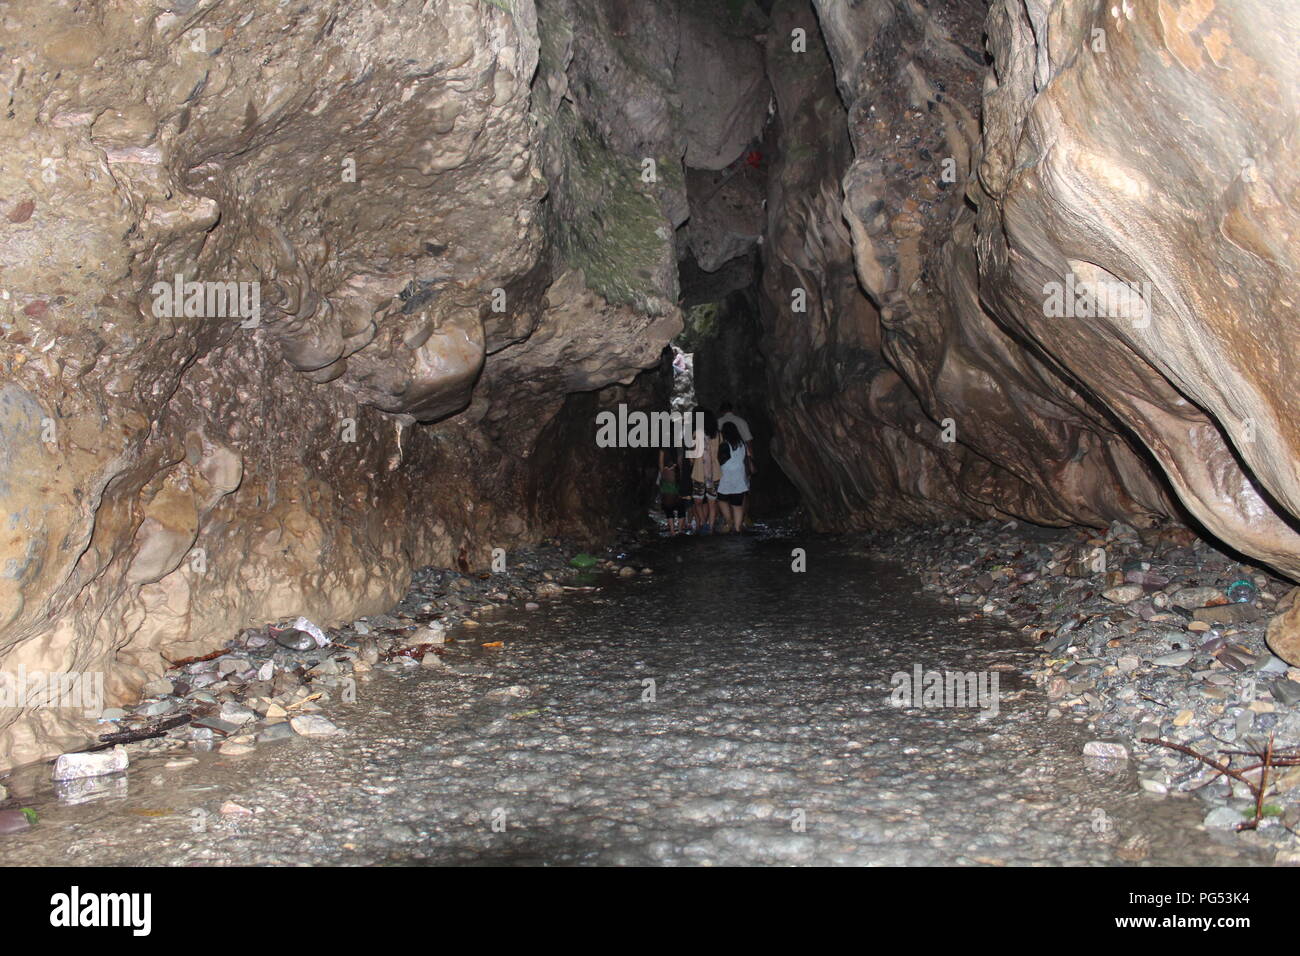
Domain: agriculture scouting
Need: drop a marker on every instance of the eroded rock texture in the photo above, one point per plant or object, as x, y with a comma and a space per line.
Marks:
910, 402
457, 267
992, 152
1154, 144
470, 225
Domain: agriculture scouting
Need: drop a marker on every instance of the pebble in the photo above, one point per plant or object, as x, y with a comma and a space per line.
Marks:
237, 713
1105, 750
98, 764
1192, 598
434, 633
514, 691
225, 728
294, 639
14, 821
276, 732
1227, 614
1223, 818
158, 708
312, 725
1287, 691
1125, 594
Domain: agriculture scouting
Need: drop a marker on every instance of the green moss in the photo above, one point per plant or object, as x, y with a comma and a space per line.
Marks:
799, 153
610, 222
699, 324
554, 35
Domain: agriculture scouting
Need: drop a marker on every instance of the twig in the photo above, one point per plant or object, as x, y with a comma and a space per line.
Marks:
196, 660
144, 733
1268, 759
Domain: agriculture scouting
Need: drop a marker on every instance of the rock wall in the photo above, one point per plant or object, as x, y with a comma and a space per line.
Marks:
297, 297
437, 292
979, 160
1151, 144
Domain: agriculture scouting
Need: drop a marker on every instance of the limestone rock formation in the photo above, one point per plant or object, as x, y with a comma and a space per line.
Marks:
291, 304
983, 187
298, 297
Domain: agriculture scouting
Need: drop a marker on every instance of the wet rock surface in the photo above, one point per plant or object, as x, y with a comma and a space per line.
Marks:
721, 709
431, 288
1142, 636
945, 170
473, 226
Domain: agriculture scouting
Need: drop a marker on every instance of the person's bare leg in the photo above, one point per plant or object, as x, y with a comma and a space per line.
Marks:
726, 512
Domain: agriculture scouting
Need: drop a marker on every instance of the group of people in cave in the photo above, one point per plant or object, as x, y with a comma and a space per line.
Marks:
698, 494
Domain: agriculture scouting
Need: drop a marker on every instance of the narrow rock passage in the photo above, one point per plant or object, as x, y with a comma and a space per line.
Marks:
770, 709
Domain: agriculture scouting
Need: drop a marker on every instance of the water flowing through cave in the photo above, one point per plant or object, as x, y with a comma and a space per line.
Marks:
312, 314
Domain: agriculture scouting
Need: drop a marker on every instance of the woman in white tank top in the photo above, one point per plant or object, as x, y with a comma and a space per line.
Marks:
734, 483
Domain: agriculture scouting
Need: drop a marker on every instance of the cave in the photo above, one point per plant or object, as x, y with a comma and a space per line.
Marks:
309, 317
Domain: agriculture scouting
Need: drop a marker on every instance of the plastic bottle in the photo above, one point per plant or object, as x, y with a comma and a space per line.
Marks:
1241, 592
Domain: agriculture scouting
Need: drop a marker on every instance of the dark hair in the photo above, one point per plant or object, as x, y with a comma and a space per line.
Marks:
725, 408
710, 422
731, 435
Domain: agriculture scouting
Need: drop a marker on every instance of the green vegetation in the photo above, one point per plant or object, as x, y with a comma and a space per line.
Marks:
610, 222
700, 323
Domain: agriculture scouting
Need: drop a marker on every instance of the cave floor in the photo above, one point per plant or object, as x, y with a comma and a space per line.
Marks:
766, 736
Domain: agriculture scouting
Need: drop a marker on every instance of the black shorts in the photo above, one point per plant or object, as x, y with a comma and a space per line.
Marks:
734, 500
675, 510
